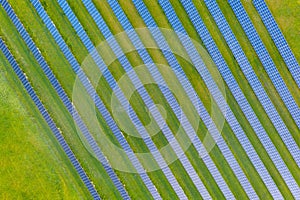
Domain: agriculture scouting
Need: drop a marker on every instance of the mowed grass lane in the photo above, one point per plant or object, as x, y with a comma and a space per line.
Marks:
160, 19
255, 63
120, 69
104, 92
93, 32
66, 76
117, 71
51, 101
137, 188
33, 165
286, 14
283, 70
132, 179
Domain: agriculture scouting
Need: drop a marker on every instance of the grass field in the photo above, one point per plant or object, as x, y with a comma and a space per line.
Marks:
34, 148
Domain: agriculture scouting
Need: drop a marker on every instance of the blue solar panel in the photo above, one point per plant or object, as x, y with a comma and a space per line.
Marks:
275, 78
278, 39
259, 91
49, 121
140, 47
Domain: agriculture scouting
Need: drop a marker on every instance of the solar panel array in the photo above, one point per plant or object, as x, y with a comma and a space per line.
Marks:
48, 119
260, 93
278, 39
268, 64
213, 167
216, 56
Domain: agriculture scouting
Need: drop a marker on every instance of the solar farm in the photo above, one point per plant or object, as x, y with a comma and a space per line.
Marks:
149, 99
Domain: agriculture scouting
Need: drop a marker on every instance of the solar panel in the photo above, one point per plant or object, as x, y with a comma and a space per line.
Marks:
114, 6
148, 24
169, 96
151, 70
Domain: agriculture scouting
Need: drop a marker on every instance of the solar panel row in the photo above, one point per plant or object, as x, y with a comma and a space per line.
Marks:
61, 94
49, 120
260, 93
224, 70
269, 66
278, 39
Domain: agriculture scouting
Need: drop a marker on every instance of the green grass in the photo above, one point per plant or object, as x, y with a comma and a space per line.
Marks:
208, 179
252, 100
129, 179
91, 35
183, 17
103, 91
160, 19
27, 145
135, 21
